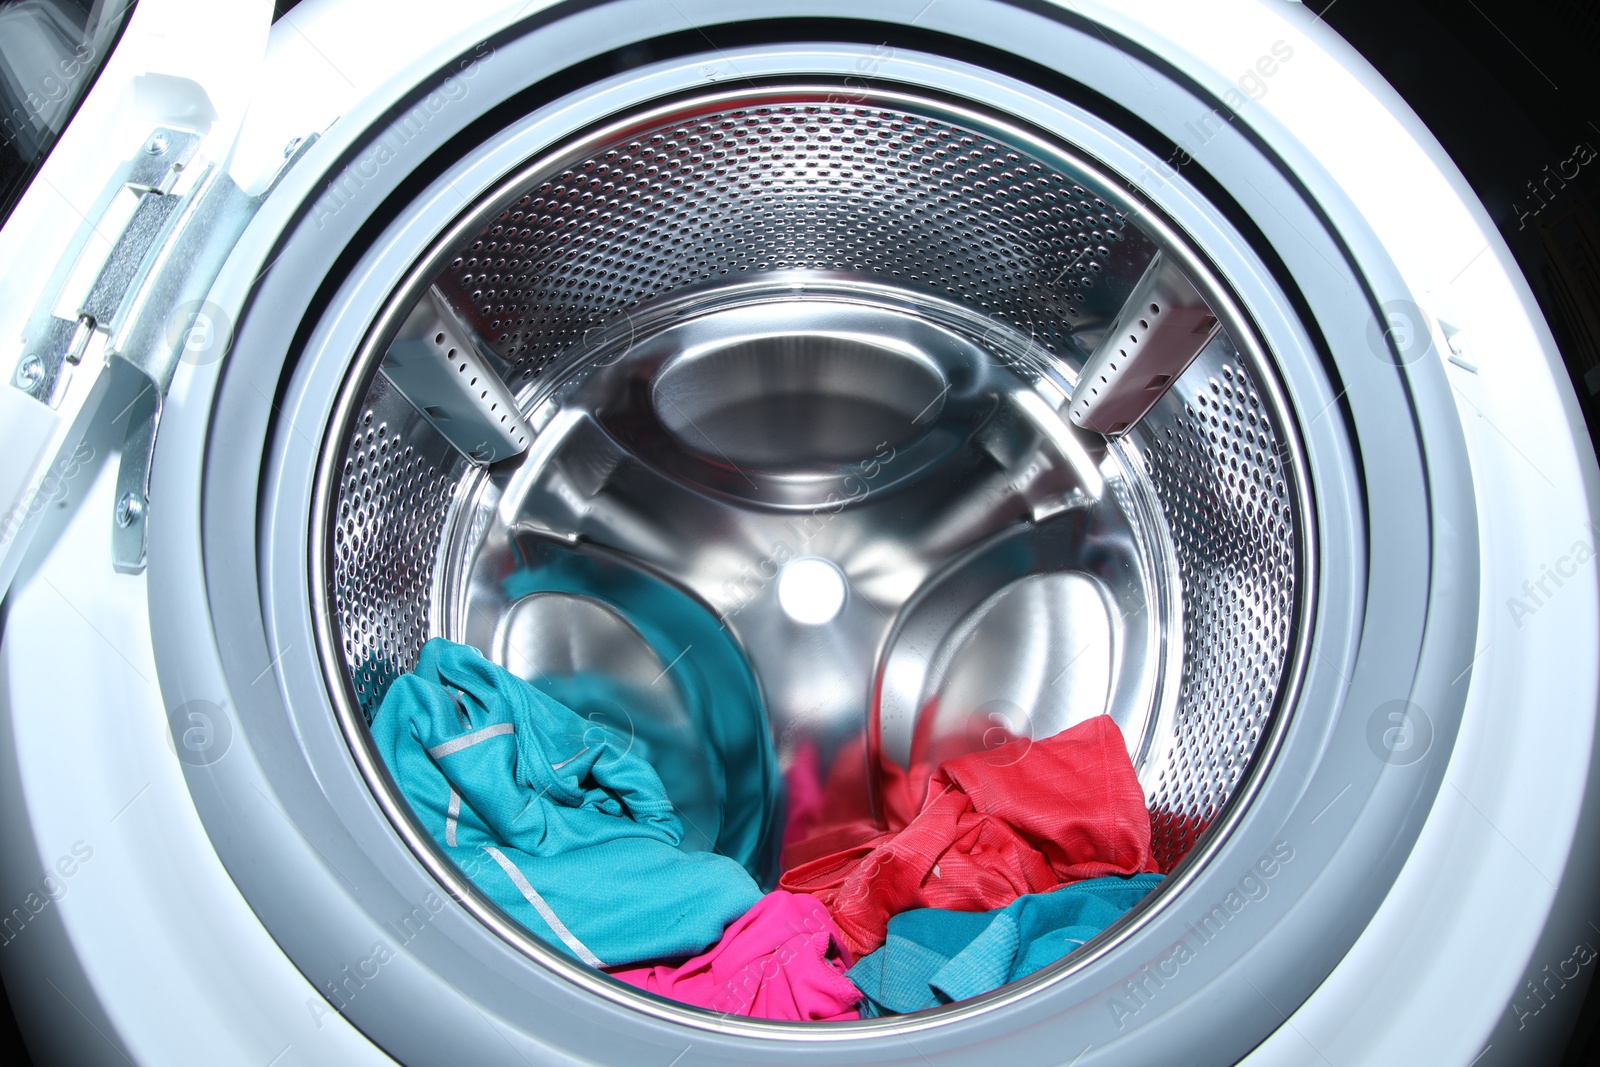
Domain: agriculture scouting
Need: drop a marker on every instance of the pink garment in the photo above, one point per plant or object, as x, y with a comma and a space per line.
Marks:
782, 959
802, 790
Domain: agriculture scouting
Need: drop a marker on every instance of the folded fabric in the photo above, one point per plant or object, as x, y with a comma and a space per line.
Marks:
550, 814
933, 956
717, 762
994, 825
781, 960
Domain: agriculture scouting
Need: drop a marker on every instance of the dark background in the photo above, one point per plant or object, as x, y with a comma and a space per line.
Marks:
1510, 87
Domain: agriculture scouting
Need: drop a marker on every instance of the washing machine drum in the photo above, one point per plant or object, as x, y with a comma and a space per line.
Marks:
810, 405
787, 355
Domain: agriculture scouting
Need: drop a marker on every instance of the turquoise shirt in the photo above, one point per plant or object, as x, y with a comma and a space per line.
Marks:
933, 956
564, 825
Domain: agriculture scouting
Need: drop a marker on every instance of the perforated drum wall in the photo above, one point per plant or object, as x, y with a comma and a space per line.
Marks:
1217, 464
814, 184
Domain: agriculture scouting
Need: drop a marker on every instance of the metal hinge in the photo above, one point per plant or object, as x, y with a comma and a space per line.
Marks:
143, 304
140, 196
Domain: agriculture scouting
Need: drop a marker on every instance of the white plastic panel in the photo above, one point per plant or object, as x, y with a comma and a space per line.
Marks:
184, 64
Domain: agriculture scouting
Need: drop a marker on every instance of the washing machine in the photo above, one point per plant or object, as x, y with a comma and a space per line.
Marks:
978, 366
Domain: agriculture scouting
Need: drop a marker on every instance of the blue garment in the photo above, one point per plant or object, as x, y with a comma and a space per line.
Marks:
722, 771
550, 815
933, 956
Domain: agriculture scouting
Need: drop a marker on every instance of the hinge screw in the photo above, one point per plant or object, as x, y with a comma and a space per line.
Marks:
158, 144
30, 371
129, 509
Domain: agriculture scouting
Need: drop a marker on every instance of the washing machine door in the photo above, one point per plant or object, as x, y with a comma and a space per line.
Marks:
1278, 554
122, 219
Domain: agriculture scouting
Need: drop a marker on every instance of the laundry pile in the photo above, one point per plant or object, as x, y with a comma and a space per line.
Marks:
984, 868
986, 828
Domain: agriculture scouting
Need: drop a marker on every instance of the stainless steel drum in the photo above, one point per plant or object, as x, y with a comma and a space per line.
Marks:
804, 359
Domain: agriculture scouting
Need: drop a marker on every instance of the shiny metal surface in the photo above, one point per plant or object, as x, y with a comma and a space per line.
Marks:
732, 358
395, 484
1031, 660
1162, 327
797, 400
1038, 628
933, 492
435, 363
55, 344
909, 191
780, 401
1220, 464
